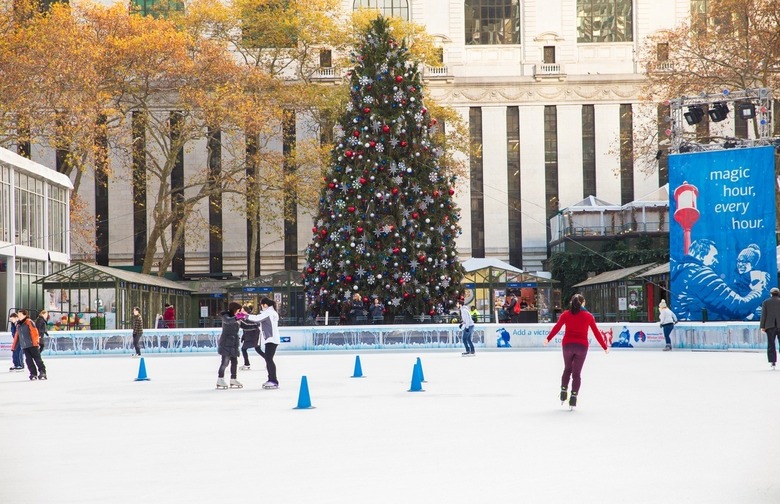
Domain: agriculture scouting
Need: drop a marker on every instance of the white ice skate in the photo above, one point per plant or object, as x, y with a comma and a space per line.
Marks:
269, 385
245, 368
235, 383
222, 384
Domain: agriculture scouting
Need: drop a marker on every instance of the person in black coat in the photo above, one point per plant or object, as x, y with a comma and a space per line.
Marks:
356, 308
42, 324
228, 347
770, 324
250, 337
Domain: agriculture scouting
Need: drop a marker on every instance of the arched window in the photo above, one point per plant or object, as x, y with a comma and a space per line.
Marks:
492, 22
388, 8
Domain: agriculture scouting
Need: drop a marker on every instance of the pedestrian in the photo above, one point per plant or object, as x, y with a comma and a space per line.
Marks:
269, 328
170, 316
575, 344
376, 311
27, 337
138, 330
770, 324
467, 324
667, 319
250, 335
16, 355
42, 324
159, 322
356, 308
474, 313
228, 347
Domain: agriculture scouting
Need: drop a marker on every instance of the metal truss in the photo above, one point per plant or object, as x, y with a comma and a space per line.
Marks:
760, 98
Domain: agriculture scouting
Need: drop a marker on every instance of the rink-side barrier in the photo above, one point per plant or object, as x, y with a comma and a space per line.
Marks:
695, 336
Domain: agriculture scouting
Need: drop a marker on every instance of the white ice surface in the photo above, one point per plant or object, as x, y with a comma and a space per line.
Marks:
651, 427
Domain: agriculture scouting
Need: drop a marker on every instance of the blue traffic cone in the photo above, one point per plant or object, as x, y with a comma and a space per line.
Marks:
416, 379
304, 401
422, 375
358, 373
142, 371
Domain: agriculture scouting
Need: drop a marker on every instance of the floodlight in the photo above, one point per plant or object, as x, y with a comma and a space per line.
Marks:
719, 112
694, 115
747, 111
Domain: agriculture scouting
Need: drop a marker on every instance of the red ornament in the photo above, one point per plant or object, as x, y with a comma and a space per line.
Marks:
435, 194
415, 215
404, 143
359, 230
310, 270
406, 294
396, 250
362, 180
348, 153
324, 232
395, 191
398, 78
451, 191
372, 143
367, 110
348, 278
314, 230
331, 186
351, 209
386, 128
355, 133
322, 274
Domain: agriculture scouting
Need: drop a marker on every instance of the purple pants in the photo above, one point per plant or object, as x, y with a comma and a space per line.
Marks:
573, 358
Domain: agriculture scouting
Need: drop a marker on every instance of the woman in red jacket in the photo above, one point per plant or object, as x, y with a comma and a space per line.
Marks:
575, 344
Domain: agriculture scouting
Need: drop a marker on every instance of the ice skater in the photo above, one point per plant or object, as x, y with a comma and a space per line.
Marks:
770, 324
269, 328
667, 319
16, 355
467, 324
138, 330
228, 347
575, 344
250, 337
42, 324
27, 337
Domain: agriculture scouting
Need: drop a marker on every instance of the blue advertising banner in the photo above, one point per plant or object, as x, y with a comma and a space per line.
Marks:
722, 233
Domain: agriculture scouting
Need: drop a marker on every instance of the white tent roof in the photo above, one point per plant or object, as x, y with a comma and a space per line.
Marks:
592, 203
659, 197
478, 263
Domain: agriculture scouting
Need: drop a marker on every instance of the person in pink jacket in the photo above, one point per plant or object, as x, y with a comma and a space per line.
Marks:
575, 344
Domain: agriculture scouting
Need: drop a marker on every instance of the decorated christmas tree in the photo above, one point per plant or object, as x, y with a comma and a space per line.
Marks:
387, 223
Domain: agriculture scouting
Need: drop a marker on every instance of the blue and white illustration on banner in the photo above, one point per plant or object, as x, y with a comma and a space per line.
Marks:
722, 233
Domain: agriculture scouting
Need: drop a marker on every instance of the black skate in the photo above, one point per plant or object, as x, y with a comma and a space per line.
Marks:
573, 400
42, 376
564, 394
33, 377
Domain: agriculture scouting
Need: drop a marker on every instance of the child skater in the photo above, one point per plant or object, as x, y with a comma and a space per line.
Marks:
228, 347
269, 328
27, 337
575, 344
250, 337
138, 330
16, 355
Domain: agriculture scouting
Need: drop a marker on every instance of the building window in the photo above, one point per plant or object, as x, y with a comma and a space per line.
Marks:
551, 162
605, 21
664, 112
662, 52
326, 58
388, 8
29, 294
626, 154
588, 151
699, 20
477, 195
548, 55
156, 8
28, 194
5, 203
514, 201
58, 213
491, 22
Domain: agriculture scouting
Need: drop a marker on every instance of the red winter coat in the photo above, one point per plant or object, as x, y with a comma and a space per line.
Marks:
170, 317
577, 328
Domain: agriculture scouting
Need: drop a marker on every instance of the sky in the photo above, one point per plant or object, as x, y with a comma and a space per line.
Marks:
651, 427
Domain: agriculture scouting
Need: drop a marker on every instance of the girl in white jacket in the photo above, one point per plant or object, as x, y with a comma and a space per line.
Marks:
268, 320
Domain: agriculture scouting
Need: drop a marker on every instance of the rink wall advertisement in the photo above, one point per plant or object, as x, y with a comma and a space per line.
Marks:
699, 336
722, 233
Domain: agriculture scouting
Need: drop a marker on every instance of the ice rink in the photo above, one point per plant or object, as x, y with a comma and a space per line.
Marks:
651, 427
